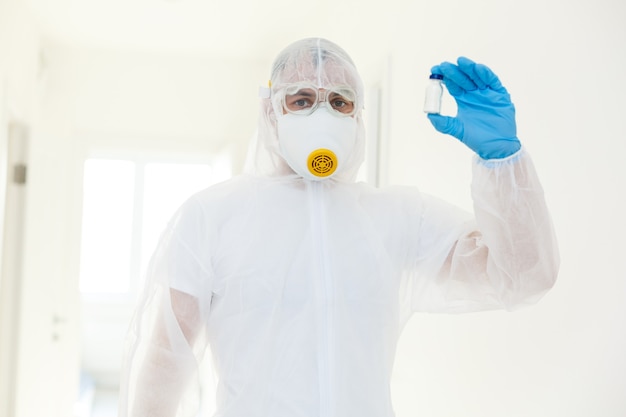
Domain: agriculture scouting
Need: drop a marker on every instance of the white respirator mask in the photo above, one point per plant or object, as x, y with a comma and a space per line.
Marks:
316, 146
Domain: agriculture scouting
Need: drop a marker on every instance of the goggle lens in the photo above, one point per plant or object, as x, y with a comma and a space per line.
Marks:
305, 100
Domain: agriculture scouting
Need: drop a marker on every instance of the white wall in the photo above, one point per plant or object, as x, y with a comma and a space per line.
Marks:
123, 103
104, 102
19, 56
108, 98
19, 45
563, 63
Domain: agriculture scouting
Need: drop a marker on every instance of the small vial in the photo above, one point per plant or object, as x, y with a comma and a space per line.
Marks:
434, 91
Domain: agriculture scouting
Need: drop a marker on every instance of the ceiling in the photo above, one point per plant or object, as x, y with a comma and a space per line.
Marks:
230, 28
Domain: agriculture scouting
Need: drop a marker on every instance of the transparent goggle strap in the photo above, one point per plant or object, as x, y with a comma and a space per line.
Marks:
265, 92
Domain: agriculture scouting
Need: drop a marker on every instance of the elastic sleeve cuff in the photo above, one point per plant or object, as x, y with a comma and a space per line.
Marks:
496, 162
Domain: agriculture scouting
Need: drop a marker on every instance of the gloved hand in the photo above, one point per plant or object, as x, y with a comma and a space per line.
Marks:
485, 119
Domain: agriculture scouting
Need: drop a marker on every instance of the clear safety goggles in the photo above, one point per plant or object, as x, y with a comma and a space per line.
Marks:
304, 99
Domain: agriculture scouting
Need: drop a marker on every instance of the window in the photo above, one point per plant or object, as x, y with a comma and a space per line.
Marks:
106, 242
126, 205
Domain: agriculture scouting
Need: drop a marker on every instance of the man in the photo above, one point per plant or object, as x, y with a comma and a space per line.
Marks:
300, 280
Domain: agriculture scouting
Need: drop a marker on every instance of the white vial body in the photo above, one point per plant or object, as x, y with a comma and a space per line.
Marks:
432, 101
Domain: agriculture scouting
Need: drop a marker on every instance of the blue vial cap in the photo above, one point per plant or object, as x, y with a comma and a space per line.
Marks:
436, 77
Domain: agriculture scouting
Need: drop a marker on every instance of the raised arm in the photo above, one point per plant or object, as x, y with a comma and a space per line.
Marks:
509, 257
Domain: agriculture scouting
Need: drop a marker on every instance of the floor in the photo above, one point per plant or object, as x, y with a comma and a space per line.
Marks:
96, 403
104, 404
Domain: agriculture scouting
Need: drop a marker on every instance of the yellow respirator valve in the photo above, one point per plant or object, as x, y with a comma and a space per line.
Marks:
322, 162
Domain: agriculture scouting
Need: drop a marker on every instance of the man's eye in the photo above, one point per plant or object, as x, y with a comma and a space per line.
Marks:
298, 102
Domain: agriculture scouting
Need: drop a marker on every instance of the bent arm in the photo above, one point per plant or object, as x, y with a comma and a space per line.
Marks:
512, 258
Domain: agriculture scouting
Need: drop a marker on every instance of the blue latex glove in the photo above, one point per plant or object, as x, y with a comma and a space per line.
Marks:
485, 119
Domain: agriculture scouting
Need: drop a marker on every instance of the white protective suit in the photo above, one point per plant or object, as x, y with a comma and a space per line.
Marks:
300, 288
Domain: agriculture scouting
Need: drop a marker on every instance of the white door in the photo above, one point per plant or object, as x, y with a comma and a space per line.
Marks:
31, 327
46, 366
11, 236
